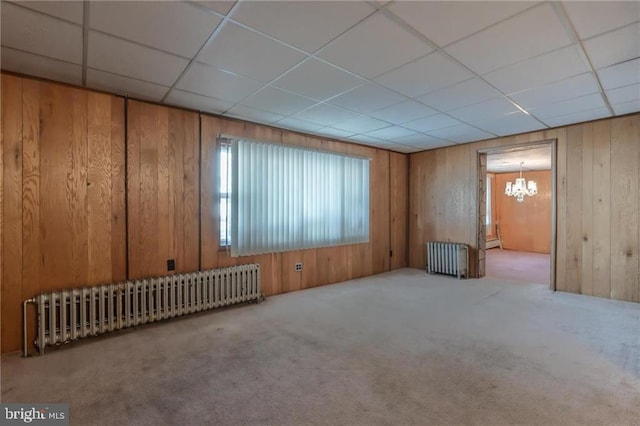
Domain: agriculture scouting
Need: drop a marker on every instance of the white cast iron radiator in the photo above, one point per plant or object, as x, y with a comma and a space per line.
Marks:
67, 315
448, 258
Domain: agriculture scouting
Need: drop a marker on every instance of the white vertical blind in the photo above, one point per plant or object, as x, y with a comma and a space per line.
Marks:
288, 198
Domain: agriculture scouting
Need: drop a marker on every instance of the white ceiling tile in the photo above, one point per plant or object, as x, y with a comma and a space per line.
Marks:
210, 81
176, 27
572, 87
578, 117
360, 124
423, 141
619, 75
510, 161
34, 32
277, 101
511, 124
461, 134
614, 47
403, 112
428, 142
444, 22
254, 115
483, 111
307, 25
298, 124
468, 92
582, 103
624, 94
531, 33
627, 107
132, 60
427, 74
250, 54
538, 71
221, 6
120, 85
317, 80
68, 10
371, 48
199, 102
404, 149
432, 122
369, 140
40, 66
594, 17
367, 98
334, 133
392, 132
325, 114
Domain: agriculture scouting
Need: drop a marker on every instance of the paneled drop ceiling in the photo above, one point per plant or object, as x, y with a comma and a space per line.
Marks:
405, 76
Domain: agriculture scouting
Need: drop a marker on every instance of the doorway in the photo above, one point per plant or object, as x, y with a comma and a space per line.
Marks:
516, 213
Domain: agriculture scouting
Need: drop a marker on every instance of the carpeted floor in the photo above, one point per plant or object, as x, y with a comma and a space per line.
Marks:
518, 266
394, 349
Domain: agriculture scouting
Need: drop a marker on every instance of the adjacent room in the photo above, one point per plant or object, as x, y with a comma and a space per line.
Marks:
320, 212
519, 203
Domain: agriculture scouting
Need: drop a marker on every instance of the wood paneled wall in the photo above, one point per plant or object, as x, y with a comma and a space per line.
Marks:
162, 189
63, 211
67, 198
597, 203
525, 226
388, 174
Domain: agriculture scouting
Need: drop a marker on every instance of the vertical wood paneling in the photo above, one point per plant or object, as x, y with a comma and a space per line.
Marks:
574, 208
379, 202
586, 264
399, 208
33, 255
162, 189
320, 266
59, 175
77, 188
624, 208
597, 203
12, 215
561, 210
118, 195
601, 221
55, 145
99, 197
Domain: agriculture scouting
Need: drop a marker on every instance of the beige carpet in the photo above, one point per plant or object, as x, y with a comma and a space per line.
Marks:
394, 349
518, 266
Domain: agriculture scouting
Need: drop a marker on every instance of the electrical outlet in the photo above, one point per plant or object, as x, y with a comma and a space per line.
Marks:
171, 265
298, 266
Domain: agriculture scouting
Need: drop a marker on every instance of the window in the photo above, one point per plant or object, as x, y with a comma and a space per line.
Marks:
224, 191
280, 198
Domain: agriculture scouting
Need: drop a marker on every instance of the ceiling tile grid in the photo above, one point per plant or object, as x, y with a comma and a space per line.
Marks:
401, 75
34, 32
175, 27
238, 50
614, 47
40, 66
133, 60
531, 33
124, 85
371, 47
427, 74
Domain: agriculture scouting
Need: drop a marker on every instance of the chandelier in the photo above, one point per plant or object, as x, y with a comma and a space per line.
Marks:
520, 188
